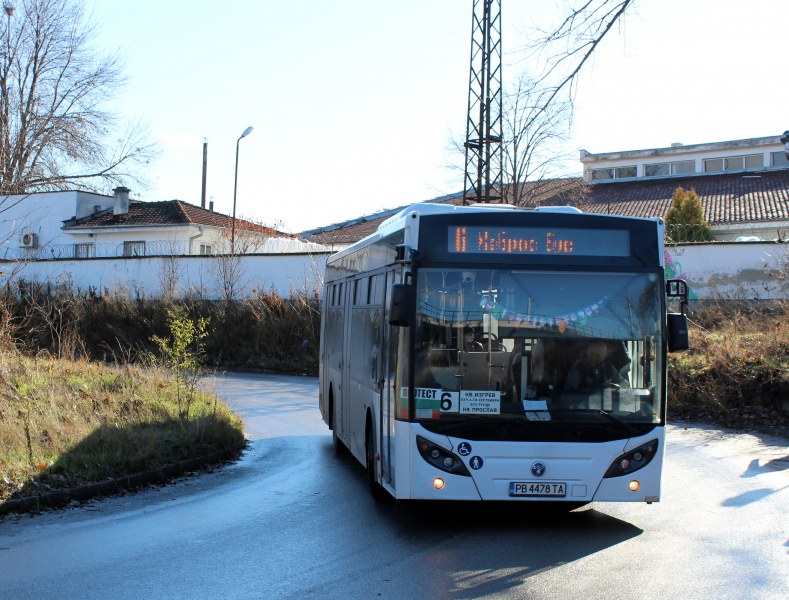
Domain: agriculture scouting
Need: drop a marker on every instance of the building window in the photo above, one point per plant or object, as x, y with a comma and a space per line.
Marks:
206, 250
87, 250
734, 163
614, 173
680, 167
657, 169
134, 248
625, 172
754, 161
602, 174
779, 159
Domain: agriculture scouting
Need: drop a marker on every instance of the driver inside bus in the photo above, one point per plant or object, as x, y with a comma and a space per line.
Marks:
595, 369
469, 341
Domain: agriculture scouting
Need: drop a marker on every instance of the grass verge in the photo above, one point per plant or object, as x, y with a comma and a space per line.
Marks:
65, 423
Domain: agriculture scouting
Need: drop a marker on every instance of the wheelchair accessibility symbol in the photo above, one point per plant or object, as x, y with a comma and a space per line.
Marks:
464, 449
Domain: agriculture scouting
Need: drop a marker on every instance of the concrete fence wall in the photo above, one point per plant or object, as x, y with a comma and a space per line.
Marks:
204, 276
737, 270
742, 270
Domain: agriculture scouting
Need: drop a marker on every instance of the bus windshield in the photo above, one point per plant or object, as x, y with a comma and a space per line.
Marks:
539, 348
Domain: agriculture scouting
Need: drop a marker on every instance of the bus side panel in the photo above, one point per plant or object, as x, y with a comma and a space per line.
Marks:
323, 359
364, 364
402, 459
332, 358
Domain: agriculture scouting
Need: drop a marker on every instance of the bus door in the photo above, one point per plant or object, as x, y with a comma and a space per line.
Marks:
389, 342
344, 405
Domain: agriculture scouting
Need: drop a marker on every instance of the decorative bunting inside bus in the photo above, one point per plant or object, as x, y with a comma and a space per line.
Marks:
562, 322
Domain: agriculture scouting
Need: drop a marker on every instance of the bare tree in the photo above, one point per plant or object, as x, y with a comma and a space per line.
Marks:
533, 131
55, 130
171, 271
532, 136
572, 43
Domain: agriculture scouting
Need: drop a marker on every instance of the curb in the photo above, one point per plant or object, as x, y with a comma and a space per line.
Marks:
163, 474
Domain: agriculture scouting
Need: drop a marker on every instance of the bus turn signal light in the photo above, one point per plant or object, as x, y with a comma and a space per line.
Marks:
634, 486
438, 483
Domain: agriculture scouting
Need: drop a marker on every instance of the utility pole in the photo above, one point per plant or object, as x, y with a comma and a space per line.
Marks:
205, 171
483, 126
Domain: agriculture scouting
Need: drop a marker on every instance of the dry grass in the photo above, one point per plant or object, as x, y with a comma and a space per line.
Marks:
264, 331
65, 423
737, 370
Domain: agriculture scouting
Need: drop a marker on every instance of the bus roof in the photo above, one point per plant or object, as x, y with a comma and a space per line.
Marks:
397, 222
394, 222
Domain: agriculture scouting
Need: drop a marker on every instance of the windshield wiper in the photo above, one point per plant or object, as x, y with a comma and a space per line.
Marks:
624, 425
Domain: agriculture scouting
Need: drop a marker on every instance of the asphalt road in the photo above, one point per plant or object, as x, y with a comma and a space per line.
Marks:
292, 520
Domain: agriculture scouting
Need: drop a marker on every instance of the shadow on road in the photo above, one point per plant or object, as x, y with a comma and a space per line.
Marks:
472, 550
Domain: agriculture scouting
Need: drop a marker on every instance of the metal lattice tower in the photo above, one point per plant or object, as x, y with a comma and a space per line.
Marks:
483, 127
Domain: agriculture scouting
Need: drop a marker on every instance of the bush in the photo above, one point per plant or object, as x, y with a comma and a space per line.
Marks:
685, 219
736, 372
264, 332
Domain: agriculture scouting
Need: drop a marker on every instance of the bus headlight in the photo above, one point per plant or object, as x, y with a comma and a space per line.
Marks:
633, 460
440, 458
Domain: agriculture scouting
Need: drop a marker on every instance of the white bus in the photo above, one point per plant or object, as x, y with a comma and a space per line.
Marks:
495, 353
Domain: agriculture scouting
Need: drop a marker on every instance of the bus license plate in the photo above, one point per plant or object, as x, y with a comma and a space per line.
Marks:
549, 489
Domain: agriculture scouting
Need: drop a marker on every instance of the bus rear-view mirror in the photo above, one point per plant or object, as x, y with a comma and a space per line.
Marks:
677, 323
677, 332
400, 305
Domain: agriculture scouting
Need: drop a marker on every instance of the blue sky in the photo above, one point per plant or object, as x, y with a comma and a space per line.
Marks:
353, 101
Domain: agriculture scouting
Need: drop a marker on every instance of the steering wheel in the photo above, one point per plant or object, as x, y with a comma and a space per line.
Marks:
484, 336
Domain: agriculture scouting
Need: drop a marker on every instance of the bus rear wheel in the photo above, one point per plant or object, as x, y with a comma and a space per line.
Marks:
379, 494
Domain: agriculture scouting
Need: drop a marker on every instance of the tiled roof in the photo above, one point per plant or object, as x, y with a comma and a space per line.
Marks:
168, 212
549, 192
731, 198
726, 199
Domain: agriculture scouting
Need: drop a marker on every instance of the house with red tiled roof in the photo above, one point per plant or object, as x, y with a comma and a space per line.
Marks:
743, 187
86, 225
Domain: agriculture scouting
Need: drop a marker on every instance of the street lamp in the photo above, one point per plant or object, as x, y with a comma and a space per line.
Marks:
785, 142
247, 131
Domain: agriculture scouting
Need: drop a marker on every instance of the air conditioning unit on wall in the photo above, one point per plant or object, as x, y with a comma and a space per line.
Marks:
28, 240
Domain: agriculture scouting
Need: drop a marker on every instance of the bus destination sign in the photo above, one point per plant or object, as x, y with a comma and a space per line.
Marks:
538, 241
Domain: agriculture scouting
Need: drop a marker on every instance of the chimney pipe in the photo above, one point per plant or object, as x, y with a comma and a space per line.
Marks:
211, 206
121, 205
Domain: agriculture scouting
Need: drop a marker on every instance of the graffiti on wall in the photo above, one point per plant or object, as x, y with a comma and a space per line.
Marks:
674, 269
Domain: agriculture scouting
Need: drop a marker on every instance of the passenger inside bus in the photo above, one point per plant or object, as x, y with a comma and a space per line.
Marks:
596, 368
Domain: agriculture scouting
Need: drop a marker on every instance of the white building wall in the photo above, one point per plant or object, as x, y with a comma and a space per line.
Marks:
159, 240
42, 214
695, 152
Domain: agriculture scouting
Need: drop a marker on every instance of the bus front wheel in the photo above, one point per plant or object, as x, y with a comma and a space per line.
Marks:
376, 489
337, 443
